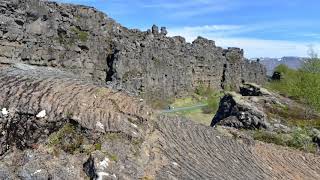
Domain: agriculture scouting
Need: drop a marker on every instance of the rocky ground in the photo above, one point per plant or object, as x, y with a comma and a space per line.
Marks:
79, 130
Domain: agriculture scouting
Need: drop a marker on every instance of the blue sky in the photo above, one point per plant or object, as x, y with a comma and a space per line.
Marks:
263, 28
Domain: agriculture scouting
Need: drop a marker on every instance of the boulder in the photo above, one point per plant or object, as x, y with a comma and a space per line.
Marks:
155, 30
238, 113
163, 31
252, 89
276, 76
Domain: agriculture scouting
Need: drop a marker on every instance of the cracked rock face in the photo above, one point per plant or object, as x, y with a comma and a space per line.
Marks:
235, 111
85, 41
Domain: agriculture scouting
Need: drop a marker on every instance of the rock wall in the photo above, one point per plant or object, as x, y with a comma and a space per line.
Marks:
87, 42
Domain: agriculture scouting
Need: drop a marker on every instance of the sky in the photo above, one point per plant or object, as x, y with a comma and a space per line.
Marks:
263, 28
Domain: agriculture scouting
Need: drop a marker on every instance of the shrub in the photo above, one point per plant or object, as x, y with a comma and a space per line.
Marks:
300, 139
202, 90
67, 139
82, 35
299, 84
212, 98
269, 137
213, 104
206, 91
312, 64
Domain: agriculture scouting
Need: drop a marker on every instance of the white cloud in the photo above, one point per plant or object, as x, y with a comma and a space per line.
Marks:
267, 48
213, 27
225, 36
190, 8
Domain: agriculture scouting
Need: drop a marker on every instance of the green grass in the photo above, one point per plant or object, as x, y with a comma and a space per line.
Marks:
211, 97
98, 146
160, 103
67, 139
197, 115
81, 35
300, 85
202, 95
294, 116
113, 157
188, 101
213, 104
300, 138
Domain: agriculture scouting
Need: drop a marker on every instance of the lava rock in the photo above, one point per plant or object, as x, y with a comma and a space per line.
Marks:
155, 30
163, 31
89, 169
276, 76
237, 113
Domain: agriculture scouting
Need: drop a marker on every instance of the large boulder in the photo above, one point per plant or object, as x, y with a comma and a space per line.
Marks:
235, 111
252, 89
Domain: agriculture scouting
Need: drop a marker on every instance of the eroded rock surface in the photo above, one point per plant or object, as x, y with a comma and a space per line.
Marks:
80, 117
134, 143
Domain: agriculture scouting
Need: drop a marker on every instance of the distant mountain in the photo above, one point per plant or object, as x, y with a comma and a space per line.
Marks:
272, 63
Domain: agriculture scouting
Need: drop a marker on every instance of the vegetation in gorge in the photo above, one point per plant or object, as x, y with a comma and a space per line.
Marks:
302, 85
203, 95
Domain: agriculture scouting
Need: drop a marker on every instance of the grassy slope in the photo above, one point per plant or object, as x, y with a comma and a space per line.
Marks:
202, 96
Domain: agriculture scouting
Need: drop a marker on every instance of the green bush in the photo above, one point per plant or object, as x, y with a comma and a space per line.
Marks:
312, 64
67, 139
211, 96
82, 35
299, 139
269, 137
206, 91
202, 90
299, 84
213, 104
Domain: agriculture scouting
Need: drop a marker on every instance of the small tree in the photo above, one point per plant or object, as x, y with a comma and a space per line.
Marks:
312, 64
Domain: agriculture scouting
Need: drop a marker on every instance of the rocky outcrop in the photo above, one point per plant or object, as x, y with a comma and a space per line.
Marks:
235, 111
86, 42
255, 107
56, 126
50, 114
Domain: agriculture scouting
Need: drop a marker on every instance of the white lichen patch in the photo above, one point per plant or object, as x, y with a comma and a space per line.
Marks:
104, 164
36, 172
41, 114
100, 125
175, 164
101, 174
4, 111
134, 125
